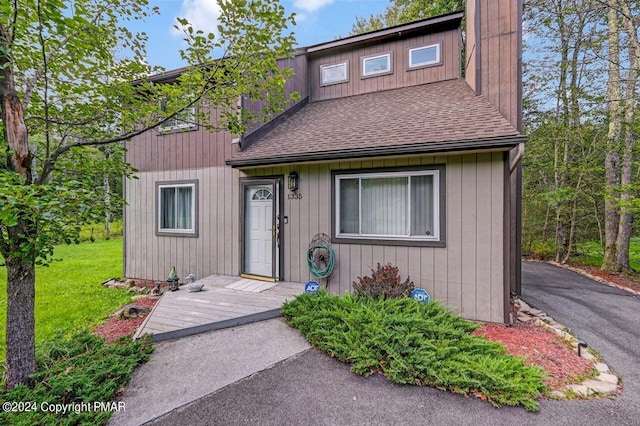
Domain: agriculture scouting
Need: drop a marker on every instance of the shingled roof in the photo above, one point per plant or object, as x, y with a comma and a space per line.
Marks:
440, 116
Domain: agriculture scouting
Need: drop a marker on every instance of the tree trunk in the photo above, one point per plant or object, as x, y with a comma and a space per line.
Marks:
21, 294
625, 227
20, 338
107, 214
612, 159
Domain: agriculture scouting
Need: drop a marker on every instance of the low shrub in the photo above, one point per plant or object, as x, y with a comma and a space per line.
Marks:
414, 343
76, 372
385, 282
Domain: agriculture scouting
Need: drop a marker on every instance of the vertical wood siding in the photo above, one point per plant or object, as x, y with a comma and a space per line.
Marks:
401, 77
216, 249
467, 274
200, 148
500, 55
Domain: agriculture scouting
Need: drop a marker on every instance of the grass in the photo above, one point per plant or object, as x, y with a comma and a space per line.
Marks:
413, 343
591, 254
68, 292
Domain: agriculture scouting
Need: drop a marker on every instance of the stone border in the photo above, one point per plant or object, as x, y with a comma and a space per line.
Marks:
593, 277
605, 383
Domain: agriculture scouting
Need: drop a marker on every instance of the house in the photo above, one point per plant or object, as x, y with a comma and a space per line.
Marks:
398, 153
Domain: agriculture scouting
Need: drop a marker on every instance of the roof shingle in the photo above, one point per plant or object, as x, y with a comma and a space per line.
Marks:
434, 113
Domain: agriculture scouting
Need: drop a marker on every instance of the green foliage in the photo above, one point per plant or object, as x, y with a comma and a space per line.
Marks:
69, 294
73, 370
403, 11
383, 282
414, 343
591, 253
95, 231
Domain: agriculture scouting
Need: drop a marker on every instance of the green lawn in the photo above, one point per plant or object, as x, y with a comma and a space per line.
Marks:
68, 292
591, 254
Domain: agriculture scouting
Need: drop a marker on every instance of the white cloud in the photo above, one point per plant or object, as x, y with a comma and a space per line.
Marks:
311, 5
201, 14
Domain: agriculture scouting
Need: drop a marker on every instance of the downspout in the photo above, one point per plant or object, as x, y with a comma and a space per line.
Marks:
517, 159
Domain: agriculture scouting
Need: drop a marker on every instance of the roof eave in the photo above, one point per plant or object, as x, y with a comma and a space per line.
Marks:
430, 24
501, 143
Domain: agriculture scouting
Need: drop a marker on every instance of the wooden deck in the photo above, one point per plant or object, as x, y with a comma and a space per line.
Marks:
224, 301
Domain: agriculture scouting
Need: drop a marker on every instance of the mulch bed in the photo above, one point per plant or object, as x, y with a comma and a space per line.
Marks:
116, 327
541, 348
621, 280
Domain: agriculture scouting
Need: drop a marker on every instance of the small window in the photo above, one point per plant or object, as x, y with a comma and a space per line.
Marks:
377, 65
334, 73
390, 206
185, 120
177, 208
425, 56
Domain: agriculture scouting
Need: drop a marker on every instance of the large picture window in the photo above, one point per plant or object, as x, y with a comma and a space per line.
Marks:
401, 205
177, 208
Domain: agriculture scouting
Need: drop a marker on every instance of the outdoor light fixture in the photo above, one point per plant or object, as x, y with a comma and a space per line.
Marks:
293, 181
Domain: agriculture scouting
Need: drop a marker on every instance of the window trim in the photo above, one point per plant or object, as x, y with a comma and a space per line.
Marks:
438, 61
193, 232
439, 207
164, 129
363, 59
344, 63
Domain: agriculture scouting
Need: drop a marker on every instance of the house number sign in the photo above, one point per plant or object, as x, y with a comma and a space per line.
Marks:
294, 196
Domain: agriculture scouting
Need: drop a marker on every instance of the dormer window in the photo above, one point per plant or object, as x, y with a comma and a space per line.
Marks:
378, 64
334, 73
425, 56
185, 120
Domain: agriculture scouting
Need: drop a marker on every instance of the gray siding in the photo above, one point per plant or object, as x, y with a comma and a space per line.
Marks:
468, 274
215, 251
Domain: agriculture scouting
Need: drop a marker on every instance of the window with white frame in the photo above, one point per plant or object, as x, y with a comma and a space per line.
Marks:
378, 64
424, 56
185, 120
402, 205
334, 73
177, 207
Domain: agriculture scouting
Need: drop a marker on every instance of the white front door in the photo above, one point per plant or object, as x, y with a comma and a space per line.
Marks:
259, 236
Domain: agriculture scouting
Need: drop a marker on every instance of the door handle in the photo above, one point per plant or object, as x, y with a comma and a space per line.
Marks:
273, 230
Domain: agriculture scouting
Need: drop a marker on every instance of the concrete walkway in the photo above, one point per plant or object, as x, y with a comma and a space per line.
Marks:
184, 370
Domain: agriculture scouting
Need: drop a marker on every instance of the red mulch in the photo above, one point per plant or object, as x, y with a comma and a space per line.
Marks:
618, 279
115, 327
542, 348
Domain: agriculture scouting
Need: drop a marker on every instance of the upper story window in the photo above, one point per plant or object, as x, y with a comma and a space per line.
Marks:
378, 64
177, 208
389, 206
425, 56
185, 120
334, 73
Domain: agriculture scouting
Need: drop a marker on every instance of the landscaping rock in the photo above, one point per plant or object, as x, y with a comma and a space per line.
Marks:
580, 390
130, 283
608, 378
601, 387
131, 311
601, 367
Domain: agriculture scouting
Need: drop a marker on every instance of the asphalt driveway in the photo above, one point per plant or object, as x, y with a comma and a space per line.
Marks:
313, 389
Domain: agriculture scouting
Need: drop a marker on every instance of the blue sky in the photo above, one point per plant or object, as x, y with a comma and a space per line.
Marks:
317, 21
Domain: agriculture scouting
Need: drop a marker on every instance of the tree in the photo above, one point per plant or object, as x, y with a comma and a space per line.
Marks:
403, 11
620, 202
66, 72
